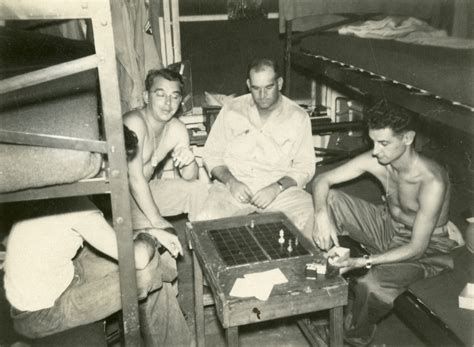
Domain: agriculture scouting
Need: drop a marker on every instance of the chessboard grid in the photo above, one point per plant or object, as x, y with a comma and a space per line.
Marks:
244, 244
269, 237
231, 243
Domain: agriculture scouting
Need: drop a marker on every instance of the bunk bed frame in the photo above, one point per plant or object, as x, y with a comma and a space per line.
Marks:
368, 86
114, 180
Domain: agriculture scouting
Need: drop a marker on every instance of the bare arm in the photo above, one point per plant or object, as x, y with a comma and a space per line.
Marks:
139, 186
432, 194
141, 192
239, 190
325, 232
99, 234
183, 157
266, 195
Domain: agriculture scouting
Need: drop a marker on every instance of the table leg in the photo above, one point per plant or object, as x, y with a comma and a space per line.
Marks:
336, 330
232, 335
198, 303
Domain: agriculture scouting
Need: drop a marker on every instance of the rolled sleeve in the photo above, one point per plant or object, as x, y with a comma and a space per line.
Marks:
213, 153
304, 162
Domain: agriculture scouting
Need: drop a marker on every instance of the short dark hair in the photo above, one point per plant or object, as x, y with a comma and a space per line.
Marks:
384, 114
260, 63
167, 74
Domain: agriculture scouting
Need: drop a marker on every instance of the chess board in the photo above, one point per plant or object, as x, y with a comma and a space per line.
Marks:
227, 250
256, 241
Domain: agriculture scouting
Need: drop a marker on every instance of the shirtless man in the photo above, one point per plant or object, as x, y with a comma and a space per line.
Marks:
161, 136
408, 238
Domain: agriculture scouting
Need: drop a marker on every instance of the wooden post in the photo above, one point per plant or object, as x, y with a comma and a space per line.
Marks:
232, 336
198, 303
167, 32
287, 62
176, 31
336, 330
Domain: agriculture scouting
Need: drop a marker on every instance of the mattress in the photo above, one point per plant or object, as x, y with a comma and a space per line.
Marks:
444, 72
65, 107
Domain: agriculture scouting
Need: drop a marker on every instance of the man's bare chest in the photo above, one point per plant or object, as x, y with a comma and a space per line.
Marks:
402, 194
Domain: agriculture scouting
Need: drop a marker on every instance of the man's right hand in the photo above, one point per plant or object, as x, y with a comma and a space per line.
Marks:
240, 191
324, 232
168, 240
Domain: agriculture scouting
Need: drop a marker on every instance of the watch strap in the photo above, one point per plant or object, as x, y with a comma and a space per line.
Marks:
368, 261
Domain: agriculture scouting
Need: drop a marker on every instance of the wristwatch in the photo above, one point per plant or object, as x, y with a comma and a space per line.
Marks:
368, 262
280, 185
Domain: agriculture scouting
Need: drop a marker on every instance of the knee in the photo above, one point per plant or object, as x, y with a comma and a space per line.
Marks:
368, 283
374, 287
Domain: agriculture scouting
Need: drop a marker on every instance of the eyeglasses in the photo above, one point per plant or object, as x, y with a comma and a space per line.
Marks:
175, 97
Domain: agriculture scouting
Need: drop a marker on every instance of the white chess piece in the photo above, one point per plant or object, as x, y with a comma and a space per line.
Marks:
290, 247
281, 240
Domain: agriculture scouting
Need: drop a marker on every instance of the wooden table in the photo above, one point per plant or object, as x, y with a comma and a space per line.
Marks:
298, 296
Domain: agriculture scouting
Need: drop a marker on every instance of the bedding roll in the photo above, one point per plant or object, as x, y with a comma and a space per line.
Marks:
23, 166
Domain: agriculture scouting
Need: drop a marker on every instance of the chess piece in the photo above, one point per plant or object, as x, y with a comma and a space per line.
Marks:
290, 246
297, 242
281, 240
252, 224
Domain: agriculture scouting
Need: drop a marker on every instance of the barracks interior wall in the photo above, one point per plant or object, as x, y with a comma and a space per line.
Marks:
220, 51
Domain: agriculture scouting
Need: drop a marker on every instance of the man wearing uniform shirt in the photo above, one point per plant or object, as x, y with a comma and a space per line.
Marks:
260, 152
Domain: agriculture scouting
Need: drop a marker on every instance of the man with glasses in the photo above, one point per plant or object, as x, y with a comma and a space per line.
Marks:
161, 136
260, 152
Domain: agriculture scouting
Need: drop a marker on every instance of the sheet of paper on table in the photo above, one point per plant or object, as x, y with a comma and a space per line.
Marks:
258, 284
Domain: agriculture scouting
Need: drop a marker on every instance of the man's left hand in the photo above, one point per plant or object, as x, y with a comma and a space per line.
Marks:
182, 156
265, 196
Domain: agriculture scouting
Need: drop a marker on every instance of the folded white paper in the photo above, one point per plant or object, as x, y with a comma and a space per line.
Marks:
258, 284
274, 276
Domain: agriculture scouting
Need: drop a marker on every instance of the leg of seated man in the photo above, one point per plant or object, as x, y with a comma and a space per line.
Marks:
364, 222
172, 197
220, 204
176, 196
93, 295
161, 320
298, 207
375, 293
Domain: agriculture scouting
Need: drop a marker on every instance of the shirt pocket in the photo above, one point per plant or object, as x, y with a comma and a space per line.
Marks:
242, 144
284, 139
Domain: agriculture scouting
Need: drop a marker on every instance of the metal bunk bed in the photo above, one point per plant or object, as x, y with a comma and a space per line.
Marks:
113, 180
445, 99
434, 82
